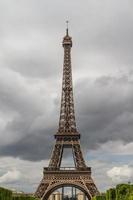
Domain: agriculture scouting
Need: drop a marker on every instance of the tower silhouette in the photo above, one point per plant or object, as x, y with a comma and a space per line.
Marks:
67, 136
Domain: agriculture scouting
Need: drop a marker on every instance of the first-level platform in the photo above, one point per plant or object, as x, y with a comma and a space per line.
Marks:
56, 178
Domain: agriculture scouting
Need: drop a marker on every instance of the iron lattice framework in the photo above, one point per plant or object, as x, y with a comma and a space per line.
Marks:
67, 136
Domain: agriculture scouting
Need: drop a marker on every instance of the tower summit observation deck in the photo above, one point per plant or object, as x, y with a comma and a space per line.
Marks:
67, 136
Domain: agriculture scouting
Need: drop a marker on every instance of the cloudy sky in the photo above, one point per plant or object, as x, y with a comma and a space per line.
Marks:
31, 58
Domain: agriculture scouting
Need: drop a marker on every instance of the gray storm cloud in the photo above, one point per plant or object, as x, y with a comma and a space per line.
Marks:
104, 113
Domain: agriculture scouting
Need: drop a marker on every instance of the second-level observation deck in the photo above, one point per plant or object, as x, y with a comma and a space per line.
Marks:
67, 170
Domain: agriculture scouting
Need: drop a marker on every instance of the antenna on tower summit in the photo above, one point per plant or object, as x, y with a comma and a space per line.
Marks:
67, 22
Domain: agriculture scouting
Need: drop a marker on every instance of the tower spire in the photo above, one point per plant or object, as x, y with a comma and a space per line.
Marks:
67, 123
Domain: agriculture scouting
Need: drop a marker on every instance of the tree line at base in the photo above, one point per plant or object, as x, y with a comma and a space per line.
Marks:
121, 192
6, 194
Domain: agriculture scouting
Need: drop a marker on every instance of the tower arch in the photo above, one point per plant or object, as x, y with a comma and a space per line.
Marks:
58, 186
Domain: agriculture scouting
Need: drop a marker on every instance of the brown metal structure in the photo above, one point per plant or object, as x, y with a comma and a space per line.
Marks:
67, 136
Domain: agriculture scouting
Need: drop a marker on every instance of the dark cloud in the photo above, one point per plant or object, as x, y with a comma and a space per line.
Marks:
105, 111
31, 147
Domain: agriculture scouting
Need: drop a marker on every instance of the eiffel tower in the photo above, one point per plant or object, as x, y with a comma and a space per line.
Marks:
67, 136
